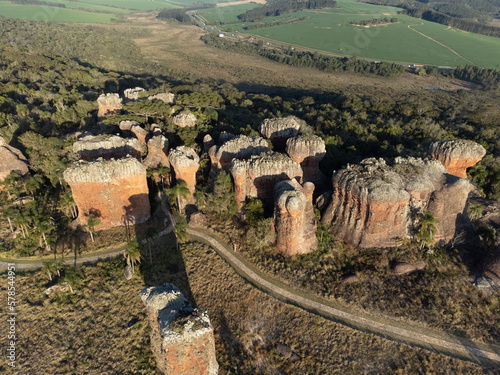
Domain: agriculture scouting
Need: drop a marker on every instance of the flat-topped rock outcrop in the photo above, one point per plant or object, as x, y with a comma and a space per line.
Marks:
106, 147
11, 160
182, 338
294, 218
457, 155
135, 129
185, 118
308, 151
114, 191
109, 104
278, 130
241, 147
133, 94
257, 176
374, 205
157, 152
166, 97
185, 162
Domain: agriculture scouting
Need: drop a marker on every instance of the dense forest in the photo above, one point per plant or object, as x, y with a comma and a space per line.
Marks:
176, 14
277, 8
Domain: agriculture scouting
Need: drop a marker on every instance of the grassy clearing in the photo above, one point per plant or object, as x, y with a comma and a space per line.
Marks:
134, 4
225, 14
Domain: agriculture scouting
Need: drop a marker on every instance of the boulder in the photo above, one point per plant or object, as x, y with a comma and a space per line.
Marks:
197, 219
308, 151
185, 162
157, 152
114, 191
185, 118
257, 176
241, 147
11, 160
278, 130
375, 205
133, 94
107, 147
182, 338
155, 130
457, 155
403, 268
294, 218
133, 127
109, 104
166, 97
287, 352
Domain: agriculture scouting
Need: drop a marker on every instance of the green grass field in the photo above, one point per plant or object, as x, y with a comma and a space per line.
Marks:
228, 13
328, 30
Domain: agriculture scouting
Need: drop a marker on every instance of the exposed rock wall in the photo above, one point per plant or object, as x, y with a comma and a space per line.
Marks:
157, 152
133, 127
278, 130
185, 162
115, 191
294, 218
109, 104
257, 176
133, 94
11, 160
241, 147
184, 119
457, 155
182, 338
106, 147
374, 204
166, 97
308, 151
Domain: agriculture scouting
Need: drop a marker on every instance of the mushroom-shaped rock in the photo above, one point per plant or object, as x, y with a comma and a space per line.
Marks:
182, 338
241, 147
308, 151
374, 205
134, 128
109, 104
278, 130
185, 118
166, 97
257, 176
457, 155
11, 160
133, 94
185, 162
106, 147
157, 152
294, 218
114, 191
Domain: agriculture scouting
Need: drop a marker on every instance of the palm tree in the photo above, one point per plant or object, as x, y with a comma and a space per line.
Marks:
92, 221
178, 193
180, 232
33, 183
427, 230
133, 256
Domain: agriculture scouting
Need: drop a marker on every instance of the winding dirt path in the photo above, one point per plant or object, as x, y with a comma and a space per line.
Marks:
440, 342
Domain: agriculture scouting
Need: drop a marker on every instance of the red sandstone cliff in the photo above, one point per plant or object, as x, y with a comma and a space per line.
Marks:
157, 152
457, 155
115, 191
308, 151
182, 338
185, 162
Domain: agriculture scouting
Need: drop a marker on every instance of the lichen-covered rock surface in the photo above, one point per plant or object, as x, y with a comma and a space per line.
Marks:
184, 119
182, 338
257, 176
374, 205
109, 104
157, 152
294, 218
135, 129
457, 155
114, 191
308, 151
166, 97
11, 160
133, 94
106, 147
278, 130
185, 162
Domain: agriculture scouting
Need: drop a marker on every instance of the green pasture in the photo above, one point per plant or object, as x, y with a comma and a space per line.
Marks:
226, 14
328, 30
134, 4
90, 6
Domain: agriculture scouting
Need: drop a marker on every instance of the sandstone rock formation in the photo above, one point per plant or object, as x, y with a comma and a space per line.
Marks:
374, 204
133, 127
457, 155
11, 160
109, 104
308, 151
257, 176
224, 137
185, 162
182, 338
115, 191
157, 152
403, 268
133, 94
294, 218
166, 97
185, 118
208, 142
241, 147
278, 130
107, 147
154, 130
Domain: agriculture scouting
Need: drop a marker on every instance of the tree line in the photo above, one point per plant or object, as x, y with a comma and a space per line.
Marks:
376, 21
282, 7
38, 2
176, 14
262, 25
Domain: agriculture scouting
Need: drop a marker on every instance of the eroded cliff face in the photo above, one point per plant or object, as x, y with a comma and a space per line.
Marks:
109, 104
457, 155
157, 152
107, 147
308, 151
278, 130
294, 218
11, 160
115, 191
185, 162
374, 205
257, 176
241, 147
182, 338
